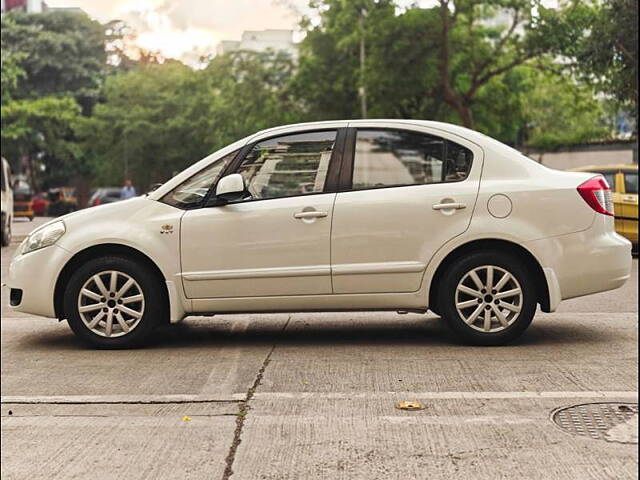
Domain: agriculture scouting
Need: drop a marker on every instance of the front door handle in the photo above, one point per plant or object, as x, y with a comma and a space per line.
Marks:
449, 206
310, 214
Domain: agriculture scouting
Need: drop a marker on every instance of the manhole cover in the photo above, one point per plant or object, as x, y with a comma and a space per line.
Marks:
613, 422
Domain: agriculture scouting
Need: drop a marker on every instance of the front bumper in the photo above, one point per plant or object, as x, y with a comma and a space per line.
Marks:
36, 274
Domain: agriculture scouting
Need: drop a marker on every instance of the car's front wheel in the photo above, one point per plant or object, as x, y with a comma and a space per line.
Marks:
114, 302
488, 298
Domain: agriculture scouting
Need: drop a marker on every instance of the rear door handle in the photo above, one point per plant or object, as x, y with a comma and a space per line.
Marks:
311, 214
449, 206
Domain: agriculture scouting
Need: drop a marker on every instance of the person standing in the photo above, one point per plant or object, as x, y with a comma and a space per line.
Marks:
128, 191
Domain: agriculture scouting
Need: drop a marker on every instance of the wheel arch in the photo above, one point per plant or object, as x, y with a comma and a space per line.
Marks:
500, 245
96, 251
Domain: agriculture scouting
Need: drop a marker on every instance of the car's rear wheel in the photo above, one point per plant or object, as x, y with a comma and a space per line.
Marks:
488, 298
114, 302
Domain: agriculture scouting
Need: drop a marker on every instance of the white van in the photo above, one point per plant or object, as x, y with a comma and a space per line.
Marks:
7, 203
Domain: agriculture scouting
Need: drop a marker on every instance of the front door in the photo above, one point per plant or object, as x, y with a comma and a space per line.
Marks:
275, 242
409, 193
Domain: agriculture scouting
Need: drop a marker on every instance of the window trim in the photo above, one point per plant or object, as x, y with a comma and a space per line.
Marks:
331, 181
348, 163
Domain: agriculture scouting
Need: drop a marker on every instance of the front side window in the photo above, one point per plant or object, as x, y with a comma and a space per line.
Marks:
386, 158
191, 192
288, 166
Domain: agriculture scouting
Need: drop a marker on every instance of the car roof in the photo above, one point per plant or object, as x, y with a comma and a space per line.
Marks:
457, 129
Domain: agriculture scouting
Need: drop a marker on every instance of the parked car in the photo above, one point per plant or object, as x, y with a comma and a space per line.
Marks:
348, 215
61, 201
40, 204
104, 195
6, 201
623, 180
22, 199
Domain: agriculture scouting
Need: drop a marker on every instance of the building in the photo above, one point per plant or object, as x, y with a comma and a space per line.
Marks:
34, 6
260, 41
29, 6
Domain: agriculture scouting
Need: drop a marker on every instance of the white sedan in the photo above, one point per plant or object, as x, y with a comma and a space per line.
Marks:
397, 215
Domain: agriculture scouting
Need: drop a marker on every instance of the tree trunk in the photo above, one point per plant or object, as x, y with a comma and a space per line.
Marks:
451, 97
466, 114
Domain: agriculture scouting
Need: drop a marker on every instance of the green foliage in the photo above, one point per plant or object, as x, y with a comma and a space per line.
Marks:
40, 132
599, 43
61, 53
248, 91
158, 119
558, 111
11, 73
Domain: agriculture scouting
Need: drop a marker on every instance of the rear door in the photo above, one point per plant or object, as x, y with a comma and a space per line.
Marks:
406, 192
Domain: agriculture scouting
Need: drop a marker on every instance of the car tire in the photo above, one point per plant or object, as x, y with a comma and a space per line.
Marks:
6, 232
481, 305
128, 312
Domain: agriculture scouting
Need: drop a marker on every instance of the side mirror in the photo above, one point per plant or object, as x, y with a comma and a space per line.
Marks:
153, 187
231, 188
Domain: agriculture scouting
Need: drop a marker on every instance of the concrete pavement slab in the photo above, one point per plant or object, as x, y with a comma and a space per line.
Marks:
386, 352
461, 439
217, 357
115, 442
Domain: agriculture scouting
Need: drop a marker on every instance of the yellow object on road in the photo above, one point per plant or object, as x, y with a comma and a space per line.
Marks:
409, 406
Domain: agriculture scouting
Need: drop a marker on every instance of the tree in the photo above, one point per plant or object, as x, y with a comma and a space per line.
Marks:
249, 91
559, 111
11, 73
481, 40
39, 134
61, 54
158, 119
600, 44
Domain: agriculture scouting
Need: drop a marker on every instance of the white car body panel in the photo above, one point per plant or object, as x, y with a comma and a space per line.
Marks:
376, 249
266, 250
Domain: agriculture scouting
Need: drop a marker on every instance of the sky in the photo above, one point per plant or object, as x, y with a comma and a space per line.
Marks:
178, 27
188, 28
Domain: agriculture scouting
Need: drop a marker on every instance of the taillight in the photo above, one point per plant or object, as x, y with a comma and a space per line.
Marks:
96, 202
597, 194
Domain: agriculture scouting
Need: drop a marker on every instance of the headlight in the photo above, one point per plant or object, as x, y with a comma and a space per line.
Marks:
43, 237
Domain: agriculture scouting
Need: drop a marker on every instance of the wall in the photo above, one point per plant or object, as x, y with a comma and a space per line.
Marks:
585, 155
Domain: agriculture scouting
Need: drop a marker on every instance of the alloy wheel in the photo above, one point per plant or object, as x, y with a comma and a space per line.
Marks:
111, 303
489, 298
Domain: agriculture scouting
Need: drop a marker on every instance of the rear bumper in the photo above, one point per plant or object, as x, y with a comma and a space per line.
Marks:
35, 274
591, 261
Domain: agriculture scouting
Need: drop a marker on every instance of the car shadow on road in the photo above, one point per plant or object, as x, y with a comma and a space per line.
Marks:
429, 331
424, 332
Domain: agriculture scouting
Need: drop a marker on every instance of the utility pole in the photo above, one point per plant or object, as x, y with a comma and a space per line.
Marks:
362, 90
126, 156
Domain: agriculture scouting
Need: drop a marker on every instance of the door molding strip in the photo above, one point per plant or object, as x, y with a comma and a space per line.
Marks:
275, 272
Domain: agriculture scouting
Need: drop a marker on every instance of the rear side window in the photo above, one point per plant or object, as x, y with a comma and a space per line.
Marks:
385, 158
631, 182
